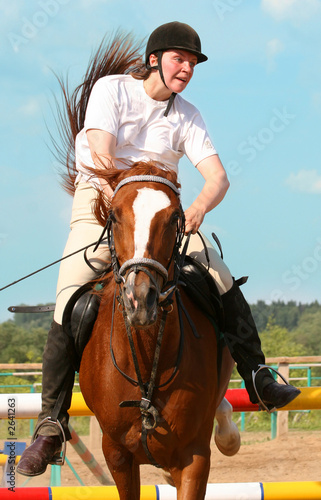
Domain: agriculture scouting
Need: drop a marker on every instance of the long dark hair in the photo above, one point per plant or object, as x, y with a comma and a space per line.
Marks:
118, 54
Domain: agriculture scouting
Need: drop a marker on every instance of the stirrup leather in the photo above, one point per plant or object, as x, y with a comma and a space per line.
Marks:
57, 460
262, 405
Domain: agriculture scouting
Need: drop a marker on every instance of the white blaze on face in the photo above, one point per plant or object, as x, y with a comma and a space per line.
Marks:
147, 204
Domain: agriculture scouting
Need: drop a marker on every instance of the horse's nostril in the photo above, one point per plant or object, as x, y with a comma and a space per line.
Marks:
132, 302
151, 297
140, 303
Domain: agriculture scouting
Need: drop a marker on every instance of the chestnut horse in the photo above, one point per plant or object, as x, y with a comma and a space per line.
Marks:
151, 380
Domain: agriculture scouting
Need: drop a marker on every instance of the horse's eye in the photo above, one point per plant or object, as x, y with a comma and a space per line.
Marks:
112, 217
175, 217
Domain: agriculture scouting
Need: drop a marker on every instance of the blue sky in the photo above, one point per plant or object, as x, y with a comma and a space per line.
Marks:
259, 93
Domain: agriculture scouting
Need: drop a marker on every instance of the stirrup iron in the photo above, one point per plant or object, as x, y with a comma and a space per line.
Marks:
61, 459
262, 405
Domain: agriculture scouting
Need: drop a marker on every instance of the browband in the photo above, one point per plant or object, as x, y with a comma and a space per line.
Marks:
147, 178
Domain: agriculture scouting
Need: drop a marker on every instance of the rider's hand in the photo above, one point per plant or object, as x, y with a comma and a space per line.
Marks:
193, 219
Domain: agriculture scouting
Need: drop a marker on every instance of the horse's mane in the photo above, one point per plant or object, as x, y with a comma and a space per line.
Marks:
117, 54
114, 175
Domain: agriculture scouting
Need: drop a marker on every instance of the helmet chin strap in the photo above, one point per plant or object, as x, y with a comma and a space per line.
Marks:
170, 102
161, 74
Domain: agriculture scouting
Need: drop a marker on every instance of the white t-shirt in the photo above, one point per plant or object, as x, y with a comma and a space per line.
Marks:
119, 105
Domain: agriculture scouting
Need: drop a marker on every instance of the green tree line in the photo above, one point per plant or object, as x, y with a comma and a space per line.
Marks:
289, 329
286, 329
22, 338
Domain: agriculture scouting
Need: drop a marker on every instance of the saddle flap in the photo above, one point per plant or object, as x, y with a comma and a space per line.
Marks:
80, 315
200, 286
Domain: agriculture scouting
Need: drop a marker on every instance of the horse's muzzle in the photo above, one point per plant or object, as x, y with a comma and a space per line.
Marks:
140, 299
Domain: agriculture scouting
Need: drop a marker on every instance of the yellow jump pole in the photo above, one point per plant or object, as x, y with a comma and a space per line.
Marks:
309, 399
301, 490
97, 493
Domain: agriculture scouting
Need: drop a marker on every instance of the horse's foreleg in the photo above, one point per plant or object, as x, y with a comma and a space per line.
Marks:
191, 480
123, 469
227, 436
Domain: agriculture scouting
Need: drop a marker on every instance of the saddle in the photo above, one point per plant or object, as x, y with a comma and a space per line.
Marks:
82, 308
79, 318
200, 286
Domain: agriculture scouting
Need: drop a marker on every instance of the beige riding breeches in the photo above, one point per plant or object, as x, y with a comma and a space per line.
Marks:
85, 230
218, 269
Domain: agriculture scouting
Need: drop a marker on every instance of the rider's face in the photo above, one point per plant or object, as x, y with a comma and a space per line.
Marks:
178, 68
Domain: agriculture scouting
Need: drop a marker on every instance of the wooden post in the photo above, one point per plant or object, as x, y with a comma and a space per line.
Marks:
283, 416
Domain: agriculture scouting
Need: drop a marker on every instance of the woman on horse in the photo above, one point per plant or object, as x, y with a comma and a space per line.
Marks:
134, 117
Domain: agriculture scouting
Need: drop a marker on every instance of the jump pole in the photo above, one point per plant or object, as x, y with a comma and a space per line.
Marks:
4, 458
303, 490
29, 405
88, 458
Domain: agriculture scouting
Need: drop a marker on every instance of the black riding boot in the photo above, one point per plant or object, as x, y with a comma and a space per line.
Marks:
56, 369
243, 341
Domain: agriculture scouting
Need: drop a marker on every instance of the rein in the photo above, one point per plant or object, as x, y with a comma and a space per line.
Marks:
53, 263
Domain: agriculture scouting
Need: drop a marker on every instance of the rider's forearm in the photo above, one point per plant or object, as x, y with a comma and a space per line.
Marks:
212, 193
102, 147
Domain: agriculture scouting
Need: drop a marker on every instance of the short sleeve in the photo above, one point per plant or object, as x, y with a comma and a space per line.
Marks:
103, 110
197, 144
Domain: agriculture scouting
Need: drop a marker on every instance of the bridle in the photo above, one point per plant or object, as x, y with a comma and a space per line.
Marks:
145, 264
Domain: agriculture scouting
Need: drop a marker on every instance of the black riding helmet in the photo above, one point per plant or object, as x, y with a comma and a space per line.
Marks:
174, 35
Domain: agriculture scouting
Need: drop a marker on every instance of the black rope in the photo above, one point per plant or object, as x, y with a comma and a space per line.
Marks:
48, 265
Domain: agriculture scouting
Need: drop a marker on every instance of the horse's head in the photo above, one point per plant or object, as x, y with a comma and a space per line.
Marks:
146, 221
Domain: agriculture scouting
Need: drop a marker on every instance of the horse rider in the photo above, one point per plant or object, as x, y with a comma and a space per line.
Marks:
136, 117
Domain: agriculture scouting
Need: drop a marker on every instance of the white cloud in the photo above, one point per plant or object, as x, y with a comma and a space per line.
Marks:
273, 48
305, 181
30, 107
295, 11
